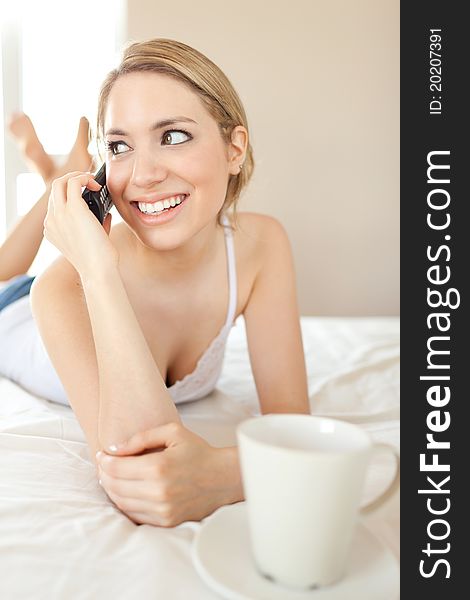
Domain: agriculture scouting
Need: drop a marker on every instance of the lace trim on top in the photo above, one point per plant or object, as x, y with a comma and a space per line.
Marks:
203, 378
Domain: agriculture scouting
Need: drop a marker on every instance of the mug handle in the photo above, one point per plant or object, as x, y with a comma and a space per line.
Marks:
392, 486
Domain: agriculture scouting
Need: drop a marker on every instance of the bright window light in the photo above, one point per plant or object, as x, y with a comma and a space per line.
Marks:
2, 158
64, 54
65, 59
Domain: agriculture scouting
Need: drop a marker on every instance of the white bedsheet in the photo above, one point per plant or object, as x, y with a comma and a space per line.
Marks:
62, 538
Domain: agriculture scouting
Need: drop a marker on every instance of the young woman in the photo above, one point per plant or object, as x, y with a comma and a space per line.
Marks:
135, 318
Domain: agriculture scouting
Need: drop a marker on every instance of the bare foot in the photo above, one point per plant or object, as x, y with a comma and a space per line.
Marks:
37, 159
79, 159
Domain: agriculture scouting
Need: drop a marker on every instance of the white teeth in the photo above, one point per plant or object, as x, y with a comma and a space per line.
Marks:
157, 207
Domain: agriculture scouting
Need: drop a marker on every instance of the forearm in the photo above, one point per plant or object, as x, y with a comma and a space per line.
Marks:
133, 395
21, 246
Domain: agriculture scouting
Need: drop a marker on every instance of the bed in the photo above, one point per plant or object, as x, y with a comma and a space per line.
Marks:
62, 538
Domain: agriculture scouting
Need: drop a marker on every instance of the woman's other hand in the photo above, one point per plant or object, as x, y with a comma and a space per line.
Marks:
74, 230
179, 478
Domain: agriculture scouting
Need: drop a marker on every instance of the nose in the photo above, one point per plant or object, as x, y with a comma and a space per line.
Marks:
147, 170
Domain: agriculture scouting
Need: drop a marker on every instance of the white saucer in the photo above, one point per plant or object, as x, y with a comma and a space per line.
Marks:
222, 556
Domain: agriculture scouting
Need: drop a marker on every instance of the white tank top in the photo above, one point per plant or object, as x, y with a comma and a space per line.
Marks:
24, 359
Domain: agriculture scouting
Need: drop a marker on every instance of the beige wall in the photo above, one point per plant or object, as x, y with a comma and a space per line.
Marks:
320, 83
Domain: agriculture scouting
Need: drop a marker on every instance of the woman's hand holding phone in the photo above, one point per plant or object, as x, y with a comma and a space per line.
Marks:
74, 230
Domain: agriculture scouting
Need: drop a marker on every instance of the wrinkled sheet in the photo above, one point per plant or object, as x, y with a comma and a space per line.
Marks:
60, 535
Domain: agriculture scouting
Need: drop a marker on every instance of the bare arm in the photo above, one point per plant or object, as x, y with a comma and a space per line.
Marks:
100, 354
273, 328
89, 327
274, 342
133, 395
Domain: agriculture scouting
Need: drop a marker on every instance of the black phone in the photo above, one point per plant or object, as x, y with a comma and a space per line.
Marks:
99, 203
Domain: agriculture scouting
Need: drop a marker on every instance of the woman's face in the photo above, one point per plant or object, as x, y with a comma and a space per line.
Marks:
161, 144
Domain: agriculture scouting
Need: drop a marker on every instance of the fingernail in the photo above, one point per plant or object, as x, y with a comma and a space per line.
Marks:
113, 448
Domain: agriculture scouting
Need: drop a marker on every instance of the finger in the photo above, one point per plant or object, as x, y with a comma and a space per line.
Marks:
78, 182
157, 437
161, 515
130, 503
60, 182
135, 468
145, 489
143, 518
67, 176
135, 505
139, 518
116, 499
58, 197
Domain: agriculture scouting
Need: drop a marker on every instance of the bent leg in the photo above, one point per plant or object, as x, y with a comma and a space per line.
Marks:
23, 357
21, 246
79, 159
37, 159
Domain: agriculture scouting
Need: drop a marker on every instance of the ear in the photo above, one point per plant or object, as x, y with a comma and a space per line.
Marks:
237, 149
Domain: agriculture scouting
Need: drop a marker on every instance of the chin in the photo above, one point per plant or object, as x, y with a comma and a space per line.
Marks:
159, 241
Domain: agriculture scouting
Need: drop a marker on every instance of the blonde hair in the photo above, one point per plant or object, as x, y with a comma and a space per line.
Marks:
206, 79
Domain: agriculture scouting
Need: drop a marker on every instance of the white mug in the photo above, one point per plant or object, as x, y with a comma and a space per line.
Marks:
303, 478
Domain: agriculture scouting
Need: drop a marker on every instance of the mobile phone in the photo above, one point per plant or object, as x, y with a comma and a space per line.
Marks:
99, 203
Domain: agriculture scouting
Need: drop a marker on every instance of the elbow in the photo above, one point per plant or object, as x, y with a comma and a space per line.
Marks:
112, 433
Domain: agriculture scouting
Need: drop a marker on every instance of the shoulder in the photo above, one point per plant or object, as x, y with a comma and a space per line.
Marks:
61, 273
260, 237
58, 281
259, 226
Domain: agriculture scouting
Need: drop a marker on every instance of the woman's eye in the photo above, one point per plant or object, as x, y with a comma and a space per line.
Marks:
175, 137
116, 147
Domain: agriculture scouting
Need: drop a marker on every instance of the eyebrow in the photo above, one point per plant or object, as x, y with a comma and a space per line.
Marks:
155, 126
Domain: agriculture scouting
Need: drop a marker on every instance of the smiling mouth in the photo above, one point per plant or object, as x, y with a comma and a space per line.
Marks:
157, 208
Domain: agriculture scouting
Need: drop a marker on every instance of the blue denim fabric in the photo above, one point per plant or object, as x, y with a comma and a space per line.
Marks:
15, 290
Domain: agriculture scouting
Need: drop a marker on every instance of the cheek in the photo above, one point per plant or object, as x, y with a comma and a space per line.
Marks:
116, 180
207, 168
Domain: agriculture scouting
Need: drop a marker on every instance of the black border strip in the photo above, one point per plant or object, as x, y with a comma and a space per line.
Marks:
423, 132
